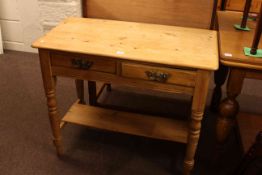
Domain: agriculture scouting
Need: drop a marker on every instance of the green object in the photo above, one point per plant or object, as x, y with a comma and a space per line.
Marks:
252, 18
238, 27
247, 52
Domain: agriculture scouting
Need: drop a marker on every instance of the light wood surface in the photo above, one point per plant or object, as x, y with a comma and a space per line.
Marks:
170, 45
188, 13
130, 123
232, 41
249, 126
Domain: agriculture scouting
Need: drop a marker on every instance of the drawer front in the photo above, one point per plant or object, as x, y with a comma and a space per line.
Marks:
159, 74
93, 63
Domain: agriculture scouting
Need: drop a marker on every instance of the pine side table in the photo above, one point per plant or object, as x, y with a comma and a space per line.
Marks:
149, 56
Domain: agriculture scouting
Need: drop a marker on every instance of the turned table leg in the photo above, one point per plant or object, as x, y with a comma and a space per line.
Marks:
49, 85
229, 107
80, 91
198, 106
220, 78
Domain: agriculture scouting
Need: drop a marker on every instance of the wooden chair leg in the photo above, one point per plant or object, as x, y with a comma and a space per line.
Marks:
80, 91
92, 93
251, 164
213, 18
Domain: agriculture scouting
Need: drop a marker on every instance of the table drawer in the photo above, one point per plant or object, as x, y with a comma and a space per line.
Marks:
159, 74
94, 63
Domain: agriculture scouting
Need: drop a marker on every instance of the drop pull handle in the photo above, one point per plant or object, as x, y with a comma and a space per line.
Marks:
157, 76
81, 64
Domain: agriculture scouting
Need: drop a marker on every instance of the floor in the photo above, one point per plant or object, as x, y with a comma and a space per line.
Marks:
26, 146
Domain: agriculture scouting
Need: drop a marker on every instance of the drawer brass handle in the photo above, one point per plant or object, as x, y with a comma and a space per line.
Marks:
81, 64
157, 76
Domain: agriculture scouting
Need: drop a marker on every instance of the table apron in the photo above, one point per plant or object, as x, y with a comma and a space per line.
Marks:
116, 79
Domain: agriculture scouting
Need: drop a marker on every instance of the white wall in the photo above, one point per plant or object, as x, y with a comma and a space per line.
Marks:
23, 21
54, 11
20, 24
11, 25
29, 14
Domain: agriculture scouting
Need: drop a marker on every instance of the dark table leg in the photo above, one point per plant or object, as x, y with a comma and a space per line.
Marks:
229, 107
220, 78
223, 5
80, 91
257, 35
92, 93
245, 13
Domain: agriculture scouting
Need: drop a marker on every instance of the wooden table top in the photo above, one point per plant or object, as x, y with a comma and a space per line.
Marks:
168, 45
232, 41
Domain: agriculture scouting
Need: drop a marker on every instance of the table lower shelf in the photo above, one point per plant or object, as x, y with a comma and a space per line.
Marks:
129, 123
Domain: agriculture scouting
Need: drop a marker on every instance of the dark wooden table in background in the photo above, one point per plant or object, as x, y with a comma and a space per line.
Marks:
231, 44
